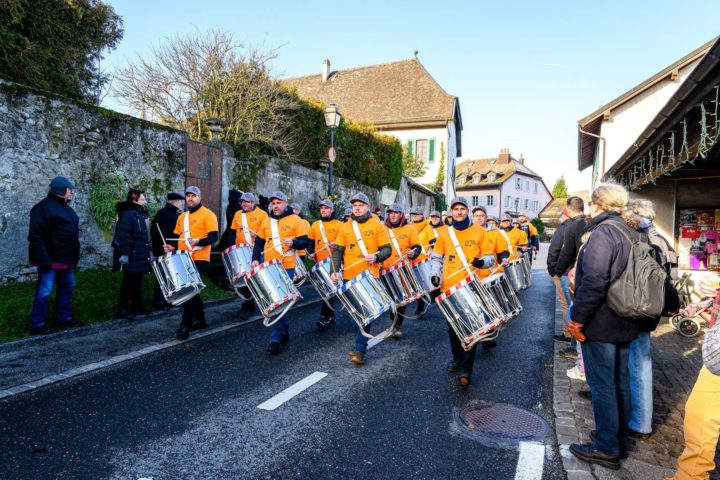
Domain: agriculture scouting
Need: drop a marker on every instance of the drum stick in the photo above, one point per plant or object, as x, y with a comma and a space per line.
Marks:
161, 234
272, 247
466, 270
359, 261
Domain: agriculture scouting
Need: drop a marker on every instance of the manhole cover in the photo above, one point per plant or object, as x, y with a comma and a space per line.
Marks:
498, 421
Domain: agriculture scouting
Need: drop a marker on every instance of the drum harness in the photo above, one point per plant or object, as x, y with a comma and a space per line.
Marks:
186, 232
246, 228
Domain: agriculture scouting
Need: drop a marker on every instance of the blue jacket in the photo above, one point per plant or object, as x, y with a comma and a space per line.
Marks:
54, 233
601, 261
132, 238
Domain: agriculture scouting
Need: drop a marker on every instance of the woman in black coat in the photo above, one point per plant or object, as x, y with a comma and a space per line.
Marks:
131, 252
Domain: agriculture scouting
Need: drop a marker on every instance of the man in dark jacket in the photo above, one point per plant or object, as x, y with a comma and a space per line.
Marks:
165, 219
573, 236
556, 243
54, 237
232, 208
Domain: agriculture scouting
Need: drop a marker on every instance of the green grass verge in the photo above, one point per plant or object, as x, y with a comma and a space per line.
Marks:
94, 300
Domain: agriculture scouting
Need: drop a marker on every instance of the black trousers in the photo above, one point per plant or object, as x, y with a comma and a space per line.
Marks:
465, 360
194, 309
327, 312
130, 297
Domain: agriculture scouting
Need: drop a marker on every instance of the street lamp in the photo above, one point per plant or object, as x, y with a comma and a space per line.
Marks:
332, 120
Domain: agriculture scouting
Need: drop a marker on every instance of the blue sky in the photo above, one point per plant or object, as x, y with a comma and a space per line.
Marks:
525, 71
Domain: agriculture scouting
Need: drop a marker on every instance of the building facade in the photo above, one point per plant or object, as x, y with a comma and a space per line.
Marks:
503, 185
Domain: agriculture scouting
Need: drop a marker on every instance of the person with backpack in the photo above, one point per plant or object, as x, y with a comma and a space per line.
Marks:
639, 216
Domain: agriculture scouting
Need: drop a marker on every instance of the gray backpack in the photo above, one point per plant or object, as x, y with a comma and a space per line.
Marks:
639, 292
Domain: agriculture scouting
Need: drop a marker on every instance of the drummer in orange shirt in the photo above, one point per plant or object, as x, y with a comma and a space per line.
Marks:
358, 254
198, 230
518, 239
495, 242
243, 230
322, 241
285, 233
404, 242
452, 260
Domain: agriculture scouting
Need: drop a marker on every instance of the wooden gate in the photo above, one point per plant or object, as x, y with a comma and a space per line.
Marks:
203, 168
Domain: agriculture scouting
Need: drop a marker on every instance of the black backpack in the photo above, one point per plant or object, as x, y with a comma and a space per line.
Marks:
639, 292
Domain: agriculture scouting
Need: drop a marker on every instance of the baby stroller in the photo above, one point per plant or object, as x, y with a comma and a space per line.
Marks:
688, 322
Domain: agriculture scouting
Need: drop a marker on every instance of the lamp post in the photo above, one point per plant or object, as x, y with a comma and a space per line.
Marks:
332, 120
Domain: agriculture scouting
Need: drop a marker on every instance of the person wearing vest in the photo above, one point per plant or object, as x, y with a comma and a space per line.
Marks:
163, 226
363, 243
54, 248
197, 229
404, 242
320, 246
243, 230
518, 239
457, 254
532, 234
284, 233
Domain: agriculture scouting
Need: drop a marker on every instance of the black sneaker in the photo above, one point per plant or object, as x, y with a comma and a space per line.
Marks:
285, 338
586, 394
182, 333
420, 311
452, 366
637, 435
42, 330
273, 348
123, 313
324, 322
624, 449
67, 324
198, 325
489, 344
561, 338
589, 454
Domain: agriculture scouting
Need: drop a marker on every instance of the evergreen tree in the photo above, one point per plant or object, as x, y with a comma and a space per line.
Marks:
559, 190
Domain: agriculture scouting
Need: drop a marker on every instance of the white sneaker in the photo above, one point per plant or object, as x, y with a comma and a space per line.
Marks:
576, 374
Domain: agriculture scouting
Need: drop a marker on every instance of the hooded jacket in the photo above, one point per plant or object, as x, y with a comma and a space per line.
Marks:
54, 233
131, 238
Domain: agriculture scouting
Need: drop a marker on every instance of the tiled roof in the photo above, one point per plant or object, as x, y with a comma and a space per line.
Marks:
553, 209
486, 167
397, 92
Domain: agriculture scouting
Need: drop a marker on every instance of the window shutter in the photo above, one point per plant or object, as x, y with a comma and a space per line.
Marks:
431, 152
410, 147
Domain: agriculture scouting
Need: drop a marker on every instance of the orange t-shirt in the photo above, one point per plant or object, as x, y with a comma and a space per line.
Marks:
255, 218
202, 221
374, 235
517, 238
420, 228
430, 233
471, 241
290, 226
332, 228
303, 252
494, 243
406, 236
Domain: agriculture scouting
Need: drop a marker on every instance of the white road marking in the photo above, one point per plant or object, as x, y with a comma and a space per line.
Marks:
378, 338
291, 391
530, 461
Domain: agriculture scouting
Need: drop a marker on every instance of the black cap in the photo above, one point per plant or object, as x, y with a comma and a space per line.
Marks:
174, 196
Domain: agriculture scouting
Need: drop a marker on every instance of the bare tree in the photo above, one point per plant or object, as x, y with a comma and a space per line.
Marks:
189, 79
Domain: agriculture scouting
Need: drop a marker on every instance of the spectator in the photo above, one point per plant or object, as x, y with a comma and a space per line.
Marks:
233, 206
573, 236
164, 221
702, 410
54, 237
560, 281
605, 336
131, 254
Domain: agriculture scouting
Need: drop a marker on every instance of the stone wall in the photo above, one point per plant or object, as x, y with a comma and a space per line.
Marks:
41, 137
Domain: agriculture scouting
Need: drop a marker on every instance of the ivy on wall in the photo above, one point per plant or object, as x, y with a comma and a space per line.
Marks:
103, 197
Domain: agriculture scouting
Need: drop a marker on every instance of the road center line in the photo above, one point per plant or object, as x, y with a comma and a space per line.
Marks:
291, 391
530, 461
378, 338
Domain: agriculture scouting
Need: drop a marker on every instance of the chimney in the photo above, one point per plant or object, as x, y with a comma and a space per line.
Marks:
504, 156
521, 159
326, 70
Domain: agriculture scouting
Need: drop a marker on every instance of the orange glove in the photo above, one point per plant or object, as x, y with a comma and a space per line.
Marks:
575, 331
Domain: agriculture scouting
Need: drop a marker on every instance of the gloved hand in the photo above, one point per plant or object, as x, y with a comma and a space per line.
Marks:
45, 267
574, 329
432, 242
435, 280
124, 259
478, 263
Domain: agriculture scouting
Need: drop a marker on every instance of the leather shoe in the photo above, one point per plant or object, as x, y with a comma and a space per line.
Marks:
586, 394
623, 449
198, 325
67, 324
589, 454
637, 435
452, 366
285, 338
464, 380
273, 348
182, 333
42, 330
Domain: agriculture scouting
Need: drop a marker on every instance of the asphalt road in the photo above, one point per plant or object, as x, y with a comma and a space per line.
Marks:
191, 411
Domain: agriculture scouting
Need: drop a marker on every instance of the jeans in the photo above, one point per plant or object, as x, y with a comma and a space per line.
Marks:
194, 309
465, 360
606, 371
280, 328
641, 384
361, 341
65, 284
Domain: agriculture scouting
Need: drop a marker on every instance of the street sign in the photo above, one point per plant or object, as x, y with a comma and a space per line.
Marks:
332, 155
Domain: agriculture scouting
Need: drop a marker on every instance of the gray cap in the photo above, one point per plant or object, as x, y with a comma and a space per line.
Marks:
360, 197
461, 200
506, 217
492, 219
279, 196
327, 203
479, 208
193, 189
61, 183
395, 207
435, 213
347, 212
417, 210
247, 197
295, 206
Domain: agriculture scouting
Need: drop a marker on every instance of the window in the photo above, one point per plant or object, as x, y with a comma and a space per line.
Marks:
536, 187
476, 178
421, 149
490, 200
475, 201
518, 183
527, 204
491, 177
508, 202
527, 185
431, 151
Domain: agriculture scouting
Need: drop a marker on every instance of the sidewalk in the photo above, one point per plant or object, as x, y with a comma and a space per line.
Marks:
676, 363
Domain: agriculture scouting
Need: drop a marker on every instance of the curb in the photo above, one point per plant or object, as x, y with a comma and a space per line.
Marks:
91, 367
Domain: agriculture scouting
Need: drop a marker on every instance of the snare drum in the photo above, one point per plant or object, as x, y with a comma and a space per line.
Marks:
272, 289
238, 261
400, 283
515, 271
177, 276
471, 312
423, 275
300, 271
319, 276
528, 269
364, 298
504, 295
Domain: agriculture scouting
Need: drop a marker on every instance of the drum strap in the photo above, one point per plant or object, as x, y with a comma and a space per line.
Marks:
435, 233
394, 242
323, 235
359, 239
186, 231
246, 228
456, 244
275, 232
509, 245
